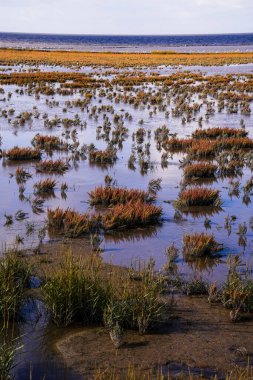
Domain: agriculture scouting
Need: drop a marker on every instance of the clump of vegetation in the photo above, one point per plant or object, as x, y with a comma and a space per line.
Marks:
71, 223
47, 142
114, 195
46, 186
195, 287
171, 254
154, 186
23, 154
235, 143
108, 156
22, 175
52, 167
200, 170
131, 214
128, 215
213, 133
199, 245
14, 278
77, 293
237, 291
175, 144
202, 148
83, 290
198, 196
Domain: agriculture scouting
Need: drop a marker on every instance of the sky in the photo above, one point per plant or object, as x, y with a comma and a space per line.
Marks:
127, 16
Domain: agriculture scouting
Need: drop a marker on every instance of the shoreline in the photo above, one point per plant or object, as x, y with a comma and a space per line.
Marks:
196, 329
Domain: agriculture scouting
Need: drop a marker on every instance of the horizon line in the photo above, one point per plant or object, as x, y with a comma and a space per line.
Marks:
129, 35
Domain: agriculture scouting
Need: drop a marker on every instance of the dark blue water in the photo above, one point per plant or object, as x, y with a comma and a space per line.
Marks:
214, 42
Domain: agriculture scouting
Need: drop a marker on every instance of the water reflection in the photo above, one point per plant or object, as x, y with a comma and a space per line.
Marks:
134, 235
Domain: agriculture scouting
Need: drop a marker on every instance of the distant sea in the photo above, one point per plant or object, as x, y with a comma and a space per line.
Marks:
180, 43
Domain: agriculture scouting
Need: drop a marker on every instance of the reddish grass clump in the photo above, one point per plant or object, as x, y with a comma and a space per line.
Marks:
203, 148
103, 156
72, 223
198, 196
23, 154
213, 133
176, 144
200, 170
47, 142
50, 166
114, 195
131, 214
45, 186
199, 245
236, 142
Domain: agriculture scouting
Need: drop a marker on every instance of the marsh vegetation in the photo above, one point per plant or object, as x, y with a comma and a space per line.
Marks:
150, 169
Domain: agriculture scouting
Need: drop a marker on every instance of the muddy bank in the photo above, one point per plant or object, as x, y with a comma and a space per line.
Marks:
199, 336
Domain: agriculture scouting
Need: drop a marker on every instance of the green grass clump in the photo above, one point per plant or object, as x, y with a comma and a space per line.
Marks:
76, 293
237, 290
87, 291
14, 276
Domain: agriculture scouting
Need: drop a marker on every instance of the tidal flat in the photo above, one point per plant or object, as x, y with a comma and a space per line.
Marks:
126, 223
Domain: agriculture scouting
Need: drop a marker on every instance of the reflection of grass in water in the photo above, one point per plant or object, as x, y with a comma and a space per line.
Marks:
133, 235
200, 211
204, 264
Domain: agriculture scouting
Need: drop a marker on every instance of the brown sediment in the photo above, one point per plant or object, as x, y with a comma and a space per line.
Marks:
12, 56
199, 336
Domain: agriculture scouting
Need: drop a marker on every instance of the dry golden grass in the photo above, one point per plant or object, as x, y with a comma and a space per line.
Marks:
11, 56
